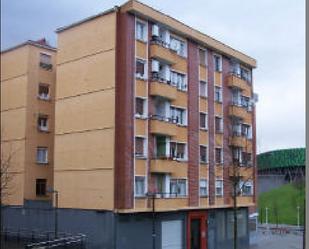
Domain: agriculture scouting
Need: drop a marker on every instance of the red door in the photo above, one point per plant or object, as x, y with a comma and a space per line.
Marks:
197, 230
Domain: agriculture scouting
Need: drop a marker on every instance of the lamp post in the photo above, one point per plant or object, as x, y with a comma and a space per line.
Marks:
53, 191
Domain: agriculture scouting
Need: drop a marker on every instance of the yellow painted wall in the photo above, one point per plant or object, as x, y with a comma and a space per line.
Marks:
85, 115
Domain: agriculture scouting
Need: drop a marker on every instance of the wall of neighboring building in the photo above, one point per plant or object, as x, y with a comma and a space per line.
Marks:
85, 115
36, 138
14, 84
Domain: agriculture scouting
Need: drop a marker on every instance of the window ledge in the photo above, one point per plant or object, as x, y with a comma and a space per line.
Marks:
203, 196
203, 163
43, 131
141, 40
140, 157
140, 116
140, 196
203, 97
203, 129
45, 99
42, 163
140, 78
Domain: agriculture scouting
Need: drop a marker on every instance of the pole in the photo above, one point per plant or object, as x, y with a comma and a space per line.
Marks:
56, 214
153, 222
266, 213
235, 214
298, 216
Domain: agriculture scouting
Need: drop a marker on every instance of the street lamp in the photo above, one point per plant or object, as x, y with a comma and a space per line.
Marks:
298, 216
266, 211
53, 191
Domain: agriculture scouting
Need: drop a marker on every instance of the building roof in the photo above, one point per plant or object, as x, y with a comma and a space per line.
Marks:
282, 159
42, 43
177, 26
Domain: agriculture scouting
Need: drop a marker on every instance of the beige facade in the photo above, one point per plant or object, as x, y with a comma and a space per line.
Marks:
23, 70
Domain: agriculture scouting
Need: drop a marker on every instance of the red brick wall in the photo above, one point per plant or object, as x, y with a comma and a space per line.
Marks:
211, 128
227, 153
124, 123
193, 124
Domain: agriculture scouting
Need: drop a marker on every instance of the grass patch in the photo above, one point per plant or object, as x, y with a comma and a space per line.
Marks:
282, 204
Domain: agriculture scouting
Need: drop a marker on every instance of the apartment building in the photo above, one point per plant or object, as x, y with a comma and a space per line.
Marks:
151, 118
28, 75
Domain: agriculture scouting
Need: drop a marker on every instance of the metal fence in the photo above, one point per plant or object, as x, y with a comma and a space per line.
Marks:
35, 239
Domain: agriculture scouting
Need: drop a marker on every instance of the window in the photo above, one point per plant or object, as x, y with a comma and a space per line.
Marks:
203, 154
140, 107
45, 61
178, 187
41, 187
203, 57
219, 124
140, 147
245, 74
246, 131
203, 188
42, 155
43, 91
141, 31
219, 155
177, 150
219, 187
203, 89
140, 69
203, 120
178, 46
178, 115
139, 186
246, 159
246, 188
245, 102
178, 80
237, 155
161, 184
43, 123
236, 97
218, 63
236, 128
218, 94
161, 146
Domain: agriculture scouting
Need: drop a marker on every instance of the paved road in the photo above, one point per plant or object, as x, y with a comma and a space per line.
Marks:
276, 241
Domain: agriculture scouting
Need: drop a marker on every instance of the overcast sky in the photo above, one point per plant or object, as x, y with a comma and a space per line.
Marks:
271, 31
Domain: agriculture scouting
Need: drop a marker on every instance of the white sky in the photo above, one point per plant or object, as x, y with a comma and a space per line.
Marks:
271, 31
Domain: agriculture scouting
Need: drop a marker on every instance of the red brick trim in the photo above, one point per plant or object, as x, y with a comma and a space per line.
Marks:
124, 123
227, 153
193, 124
211, 128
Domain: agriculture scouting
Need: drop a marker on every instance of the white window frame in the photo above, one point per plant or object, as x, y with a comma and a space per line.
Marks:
206, 121
145, 32
183, 87
141, 77
177, 50
206, 56
45, 149
243, 184
221, 155
144, 147
185, 156
185, 115
220, 95
145, 107
206, 186
222, 185
206, 89
43, 96
207, 154
40, 127
220, 65
221, 124
177, 182
144, 192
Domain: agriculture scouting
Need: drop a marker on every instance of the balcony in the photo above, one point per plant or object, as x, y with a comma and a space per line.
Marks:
168, 165
162, 126
237, 141
162, 89
162, 52
240, 112
234, 81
